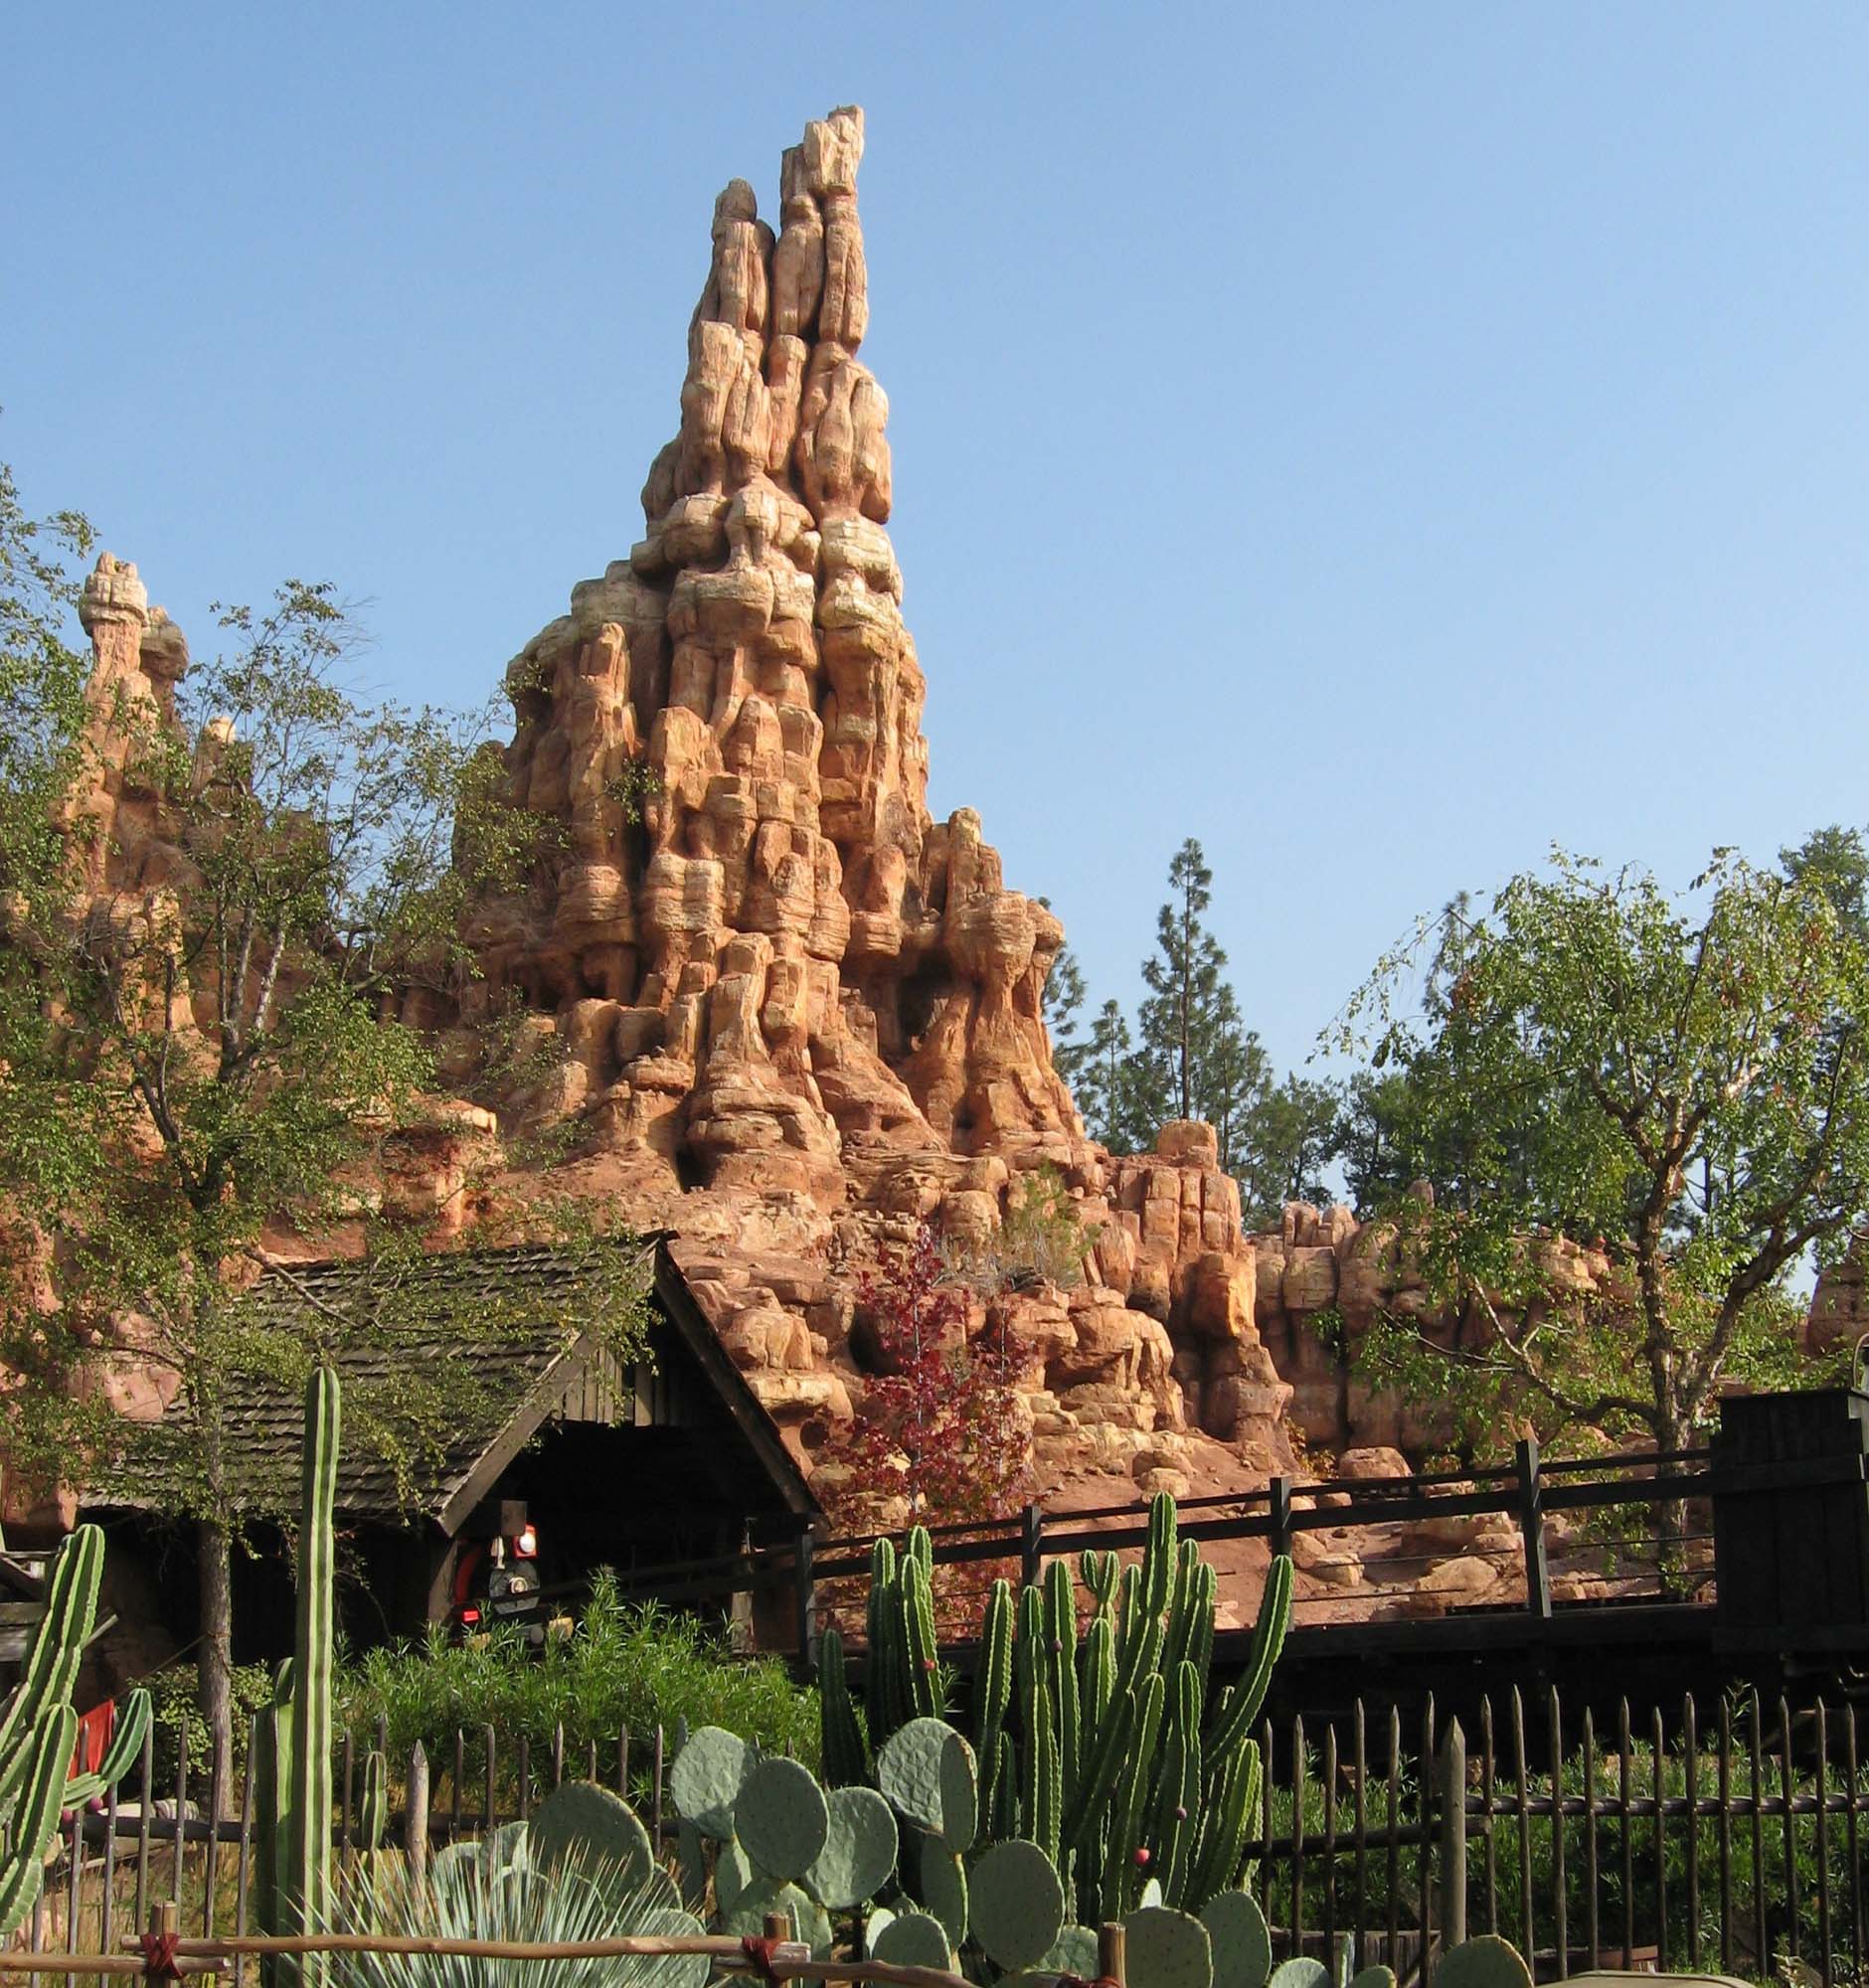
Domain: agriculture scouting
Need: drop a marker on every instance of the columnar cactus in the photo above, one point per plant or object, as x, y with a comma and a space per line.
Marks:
292, 1888
39, 1727
1104, 1749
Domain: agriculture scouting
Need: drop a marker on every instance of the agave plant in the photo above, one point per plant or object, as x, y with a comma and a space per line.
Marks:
501, 1890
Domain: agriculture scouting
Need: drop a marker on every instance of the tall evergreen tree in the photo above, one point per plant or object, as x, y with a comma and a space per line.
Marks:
1063, 1008
1184, 1013
1105, 1086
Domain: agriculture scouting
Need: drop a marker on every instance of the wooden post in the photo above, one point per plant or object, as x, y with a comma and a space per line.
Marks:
778, 1926
1280, 1490
1112, 1952
1531, 1512
807, 1602
1031, 1543
1453, 1837
165, 1922
416, 1821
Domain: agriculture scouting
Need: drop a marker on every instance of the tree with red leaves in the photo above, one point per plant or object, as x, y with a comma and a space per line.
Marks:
940, 1421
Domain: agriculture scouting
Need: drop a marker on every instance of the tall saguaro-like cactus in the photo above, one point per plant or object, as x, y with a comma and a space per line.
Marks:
293, 1769
39, 1727
1099, 1745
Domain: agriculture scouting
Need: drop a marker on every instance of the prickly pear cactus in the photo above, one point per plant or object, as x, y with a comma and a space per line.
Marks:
925, 1770
1016, 1904
782, 1818
1167, 1949
580, 1825
1486, 1962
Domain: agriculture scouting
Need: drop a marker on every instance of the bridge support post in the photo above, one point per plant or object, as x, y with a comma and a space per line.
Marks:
1531, 1514
1031, 1543
1279, 1490
807, 1602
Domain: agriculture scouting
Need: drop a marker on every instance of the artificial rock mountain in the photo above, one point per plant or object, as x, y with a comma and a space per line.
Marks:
789, 1014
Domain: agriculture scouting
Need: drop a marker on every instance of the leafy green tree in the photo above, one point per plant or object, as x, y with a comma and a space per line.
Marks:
1836, 861
1293, 1133
1684, 1086
219, 1047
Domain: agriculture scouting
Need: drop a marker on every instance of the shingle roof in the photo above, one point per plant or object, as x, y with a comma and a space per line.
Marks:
526, 1344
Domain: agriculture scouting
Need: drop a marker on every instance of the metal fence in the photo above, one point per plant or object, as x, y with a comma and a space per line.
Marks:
1726, 1834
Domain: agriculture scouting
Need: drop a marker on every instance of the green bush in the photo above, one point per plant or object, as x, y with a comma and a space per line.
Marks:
173, 1709
622, 1667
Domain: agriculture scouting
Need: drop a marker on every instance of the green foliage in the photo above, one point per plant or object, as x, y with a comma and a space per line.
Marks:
1063, 1007
1041, 1239
1835, 861
178, 1722
1293, 1133
623, 1666
1685, 1087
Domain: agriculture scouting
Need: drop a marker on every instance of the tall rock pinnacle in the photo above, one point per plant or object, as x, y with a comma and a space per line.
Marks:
786, 976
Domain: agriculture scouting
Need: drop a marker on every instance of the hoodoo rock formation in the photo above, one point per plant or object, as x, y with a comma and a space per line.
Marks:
785, 1013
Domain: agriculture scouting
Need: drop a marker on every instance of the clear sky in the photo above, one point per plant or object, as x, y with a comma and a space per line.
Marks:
1376, 439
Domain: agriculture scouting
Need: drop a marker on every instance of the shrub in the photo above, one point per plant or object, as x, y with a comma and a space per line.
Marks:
173, 1712
621, 1668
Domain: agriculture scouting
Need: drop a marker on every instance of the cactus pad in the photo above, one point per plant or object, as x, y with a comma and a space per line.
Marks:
809, 1922
872, 1929
914, 1939
1486, 1962
926, 1769
677, 1970
1074, 1951
1241, 1943
782, 1818
1302, 1972
581, 1823
858, 1853
1374, 1977
1150, 1894
1167, 1949
706, 1778
1017, 1905
944, 1888
733, 1873
506, 1847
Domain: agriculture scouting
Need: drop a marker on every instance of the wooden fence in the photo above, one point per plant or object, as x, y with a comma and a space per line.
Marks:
1728, 1834
1622, 1495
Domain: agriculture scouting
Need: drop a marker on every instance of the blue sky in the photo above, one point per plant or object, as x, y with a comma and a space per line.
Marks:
1377, 441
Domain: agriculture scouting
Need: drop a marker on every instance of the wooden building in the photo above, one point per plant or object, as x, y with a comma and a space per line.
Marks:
670, 1459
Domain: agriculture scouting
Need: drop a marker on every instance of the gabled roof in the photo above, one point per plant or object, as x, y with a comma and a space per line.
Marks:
540, 1349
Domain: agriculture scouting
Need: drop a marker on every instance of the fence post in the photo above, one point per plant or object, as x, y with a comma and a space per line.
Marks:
1031, 1543
1280, 1492
1531, 1513
779, 1928
416, 1822
1112, 1952
1453, 1837
807, 1602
